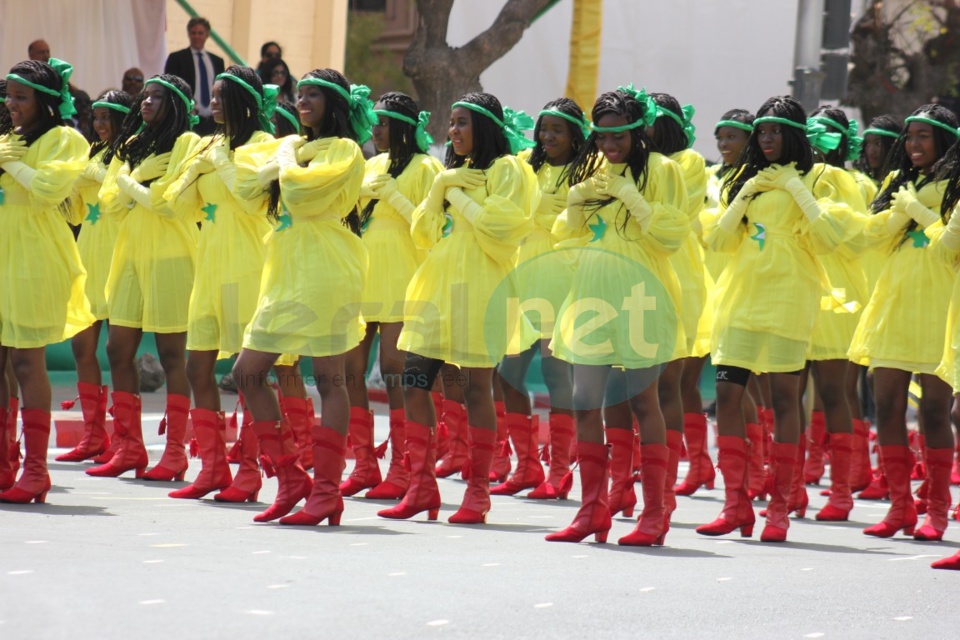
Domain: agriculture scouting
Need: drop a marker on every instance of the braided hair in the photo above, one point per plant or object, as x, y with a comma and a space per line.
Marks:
567, 106
48, 106
336, 114
837, 157
403, 139
240, 108
736, 115
887, 123
796, 148
283, 126
6, 124
668, 137
489, 143
113, 96
136, 142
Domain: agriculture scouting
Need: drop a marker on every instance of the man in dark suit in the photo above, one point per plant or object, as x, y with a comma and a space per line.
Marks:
199, 68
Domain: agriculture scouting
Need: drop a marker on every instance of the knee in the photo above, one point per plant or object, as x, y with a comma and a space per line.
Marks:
785, 405
955, 412
197, 374
832, 396
119, 354
171, 358
934, 417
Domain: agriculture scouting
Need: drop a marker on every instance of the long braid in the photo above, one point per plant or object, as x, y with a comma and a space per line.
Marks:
135, 144
668, 137
489, 143
539, 156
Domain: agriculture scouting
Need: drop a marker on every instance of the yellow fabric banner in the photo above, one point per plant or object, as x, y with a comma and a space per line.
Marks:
584, 52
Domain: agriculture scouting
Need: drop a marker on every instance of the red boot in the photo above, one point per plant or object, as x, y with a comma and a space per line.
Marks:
8, 476
442, 436
701, 470
622, 496
840, 504
500, 468
737, 511
173, 463
458, 443
799, 500
674, 446
955, 471
398, 478
651, 529
878, 489
210, 434
34, 482
756, 471
93, 404
919, 447
299, 413
247, 483
560, 479
128, 435
785, 459
953, 562
325, 501
594, 514
525, 433
476, 499
422, 494
816, 440
860, 469
937, 465
897, 463
366, 471
279, 456
13, 443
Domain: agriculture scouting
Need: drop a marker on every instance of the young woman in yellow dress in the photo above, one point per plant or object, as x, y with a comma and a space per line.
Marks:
902, 330
395, 182
225, 290
40, 158
627, 213
310, 293
476, 214
98, 236
148, 188
560, 134
9, 390
773, 219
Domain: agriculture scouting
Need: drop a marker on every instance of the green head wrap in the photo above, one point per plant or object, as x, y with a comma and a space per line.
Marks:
110, 105
421, 136
736, 125
922, 118
646, 120
266, 104
686, 122
64, 70
362, 117
582, 124
817, 127
194, 119
512, 125
886, 133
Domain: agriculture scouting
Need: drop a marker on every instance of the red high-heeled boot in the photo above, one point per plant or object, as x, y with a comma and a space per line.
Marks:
897, 463
878, 489
525, 433
93, 405
953, 562
7, 475
279, 456
799, 500
247, 483
173, 463
860, 469
441, 435
398, 478
423, 493
500, 468
210, 433
674, 449
34, 482
325, 501
816, 440
756, 471
937, 465
14, 454
785, 467
560, 479
366, 471
622, 496
701, 472
918, 446
593, 518
955, 470
651, 528
840, 504
737, 510
299, 414
458, 443
476, 499
128, 432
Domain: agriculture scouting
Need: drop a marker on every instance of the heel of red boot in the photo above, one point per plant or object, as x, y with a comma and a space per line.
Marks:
141, 471
601, 536
746, 531
433, 514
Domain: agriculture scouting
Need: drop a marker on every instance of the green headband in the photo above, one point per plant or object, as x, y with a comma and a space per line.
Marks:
880, 132
64, 70
935, 123
194, 119
582, 124
266, 104
513, 125
362, 117
649, 111
292, 119
111, 105
685, 122
736, 125
776, 120
818, 134
421, 136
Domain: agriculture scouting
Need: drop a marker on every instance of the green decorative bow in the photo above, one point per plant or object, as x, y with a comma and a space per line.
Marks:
685, 122
65, 70
649, 106
514, 124
362, 117
269, 107
423, 137
820, 138
854, 142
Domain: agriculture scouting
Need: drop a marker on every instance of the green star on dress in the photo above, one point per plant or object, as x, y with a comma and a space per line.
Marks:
761, 235
211, 211
93, 213
598, 228
920, 239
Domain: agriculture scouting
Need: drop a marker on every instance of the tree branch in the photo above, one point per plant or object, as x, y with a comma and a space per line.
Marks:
505, 31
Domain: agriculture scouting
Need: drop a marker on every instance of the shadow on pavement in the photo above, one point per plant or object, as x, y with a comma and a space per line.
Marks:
56, 509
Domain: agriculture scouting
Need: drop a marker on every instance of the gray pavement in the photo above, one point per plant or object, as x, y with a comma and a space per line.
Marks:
116, 558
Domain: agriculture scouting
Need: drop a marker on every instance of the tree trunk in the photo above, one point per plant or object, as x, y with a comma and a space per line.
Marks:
441, 73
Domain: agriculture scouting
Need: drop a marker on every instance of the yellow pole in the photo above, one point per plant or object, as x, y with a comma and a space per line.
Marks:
584, 66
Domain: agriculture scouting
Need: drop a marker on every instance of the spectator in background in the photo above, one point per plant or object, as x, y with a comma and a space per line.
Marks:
276, 71
39, 50
268, 51
82, 121
133, 81
199, 68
